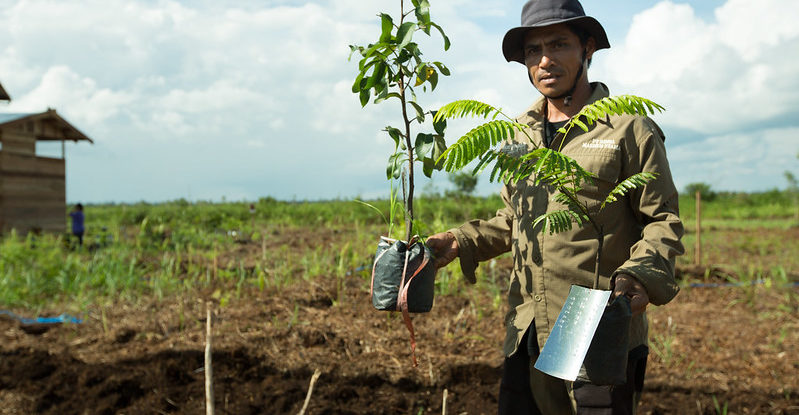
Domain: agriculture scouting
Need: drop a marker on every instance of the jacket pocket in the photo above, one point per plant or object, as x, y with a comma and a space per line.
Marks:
607, 171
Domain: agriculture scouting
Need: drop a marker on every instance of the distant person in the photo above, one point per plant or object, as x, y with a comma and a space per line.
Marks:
77, 222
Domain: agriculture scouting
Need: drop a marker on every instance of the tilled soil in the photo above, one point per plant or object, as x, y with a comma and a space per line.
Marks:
731, 350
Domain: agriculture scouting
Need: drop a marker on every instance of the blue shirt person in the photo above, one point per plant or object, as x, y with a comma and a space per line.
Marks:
77, 222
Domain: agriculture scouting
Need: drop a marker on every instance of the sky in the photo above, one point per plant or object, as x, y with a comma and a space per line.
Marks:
238, 100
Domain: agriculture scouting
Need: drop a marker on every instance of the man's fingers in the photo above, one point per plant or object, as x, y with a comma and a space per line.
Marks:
625, 285
444, 247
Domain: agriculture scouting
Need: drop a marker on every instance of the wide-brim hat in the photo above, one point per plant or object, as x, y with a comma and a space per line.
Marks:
542, 13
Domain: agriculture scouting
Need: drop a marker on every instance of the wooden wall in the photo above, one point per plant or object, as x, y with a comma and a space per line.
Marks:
32, 189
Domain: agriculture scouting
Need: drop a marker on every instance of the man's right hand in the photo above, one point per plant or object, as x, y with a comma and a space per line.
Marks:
444, 247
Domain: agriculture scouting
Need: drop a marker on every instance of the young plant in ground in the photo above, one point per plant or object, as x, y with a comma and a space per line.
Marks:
498, 141
392, 68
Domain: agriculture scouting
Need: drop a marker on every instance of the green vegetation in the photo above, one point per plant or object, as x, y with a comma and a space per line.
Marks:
392, 68
151, 251
498, 142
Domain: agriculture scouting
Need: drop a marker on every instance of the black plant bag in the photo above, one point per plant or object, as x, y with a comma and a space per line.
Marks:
606, 360
402, 266
403, 279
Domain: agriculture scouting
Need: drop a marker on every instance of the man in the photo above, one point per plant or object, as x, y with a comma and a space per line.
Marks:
77, 222
642, 231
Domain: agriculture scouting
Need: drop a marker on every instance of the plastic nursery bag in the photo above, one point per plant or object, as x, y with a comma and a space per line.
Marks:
606, 360
403, 276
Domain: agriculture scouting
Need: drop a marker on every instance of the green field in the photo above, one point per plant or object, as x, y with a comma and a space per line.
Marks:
290, 286
145, 250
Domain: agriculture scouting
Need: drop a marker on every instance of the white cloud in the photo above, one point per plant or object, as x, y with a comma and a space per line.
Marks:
262, 89
754, 160
79, 98
751, 28
712, 76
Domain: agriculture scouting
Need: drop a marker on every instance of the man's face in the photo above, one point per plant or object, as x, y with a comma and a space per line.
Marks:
553, 55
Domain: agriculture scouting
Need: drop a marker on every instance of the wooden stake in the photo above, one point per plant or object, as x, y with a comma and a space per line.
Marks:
698, 253
444, 405
209, 375
314, 377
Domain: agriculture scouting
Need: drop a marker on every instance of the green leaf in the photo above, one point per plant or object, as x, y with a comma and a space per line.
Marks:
363, 66
419, 111
439, 147
442, 68
477, 141
394, 167
559, 220
467, 108
424, 143
377, 75
633, 182
580, 124
421, 74
405, 34
395, 134
385, 219
356, 86
446, 39
422, 11
440, 125
387, 25
432, 78
364, 96
387, 96
428, 166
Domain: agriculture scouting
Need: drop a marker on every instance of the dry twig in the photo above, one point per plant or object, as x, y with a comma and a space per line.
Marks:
314, 377
209, 376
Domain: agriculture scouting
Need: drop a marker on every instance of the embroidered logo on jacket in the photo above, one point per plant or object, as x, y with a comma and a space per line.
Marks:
599, 143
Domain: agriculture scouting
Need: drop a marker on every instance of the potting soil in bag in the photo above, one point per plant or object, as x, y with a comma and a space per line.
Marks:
403, 274
403, 279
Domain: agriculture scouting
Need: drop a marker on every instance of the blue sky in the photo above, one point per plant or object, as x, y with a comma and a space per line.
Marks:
204, 100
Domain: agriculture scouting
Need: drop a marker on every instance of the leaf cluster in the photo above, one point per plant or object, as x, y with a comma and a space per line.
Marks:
387, 65
506, 144
393, 68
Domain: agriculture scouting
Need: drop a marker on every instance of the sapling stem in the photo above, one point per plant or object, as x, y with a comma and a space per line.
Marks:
409, 146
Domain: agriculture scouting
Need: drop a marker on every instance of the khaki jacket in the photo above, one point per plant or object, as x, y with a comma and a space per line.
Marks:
642, 230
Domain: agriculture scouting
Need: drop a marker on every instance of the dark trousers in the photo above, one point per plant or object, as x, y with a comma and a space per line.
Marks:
80, 237
516, 396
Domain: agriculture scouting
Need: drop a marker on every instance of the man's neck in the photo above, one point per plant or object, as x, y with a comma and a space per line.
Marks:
557, 110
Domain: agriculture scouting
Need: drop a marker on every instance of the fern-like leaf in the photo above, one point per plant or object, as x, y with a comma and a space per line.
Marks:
467, 108
633, 182
560, 220
476, 142
615, 105
557, 169
569, 200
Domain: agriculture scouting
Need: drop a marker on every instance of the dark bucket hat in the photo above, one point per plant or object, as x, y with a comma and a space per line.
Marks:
541, 13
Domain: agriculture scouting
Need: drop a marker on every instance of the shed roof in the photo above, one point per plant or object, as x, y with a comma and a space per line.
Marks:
3, 94
60, 128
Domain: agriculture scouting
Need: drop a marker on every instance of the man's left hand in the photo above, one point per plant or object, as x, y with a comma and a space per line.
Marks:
628, 286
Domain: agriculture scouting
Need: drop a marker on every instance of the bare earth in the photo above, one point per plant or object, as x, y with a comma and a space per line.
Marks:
712, 347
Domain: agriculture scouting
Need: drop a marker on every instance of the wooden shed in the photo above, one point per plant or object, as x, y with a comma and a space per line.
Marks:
33, 188
3, 94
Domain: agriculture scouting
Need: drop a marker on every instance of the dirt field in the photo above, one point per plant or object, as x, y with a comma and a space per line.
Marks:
733, 347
